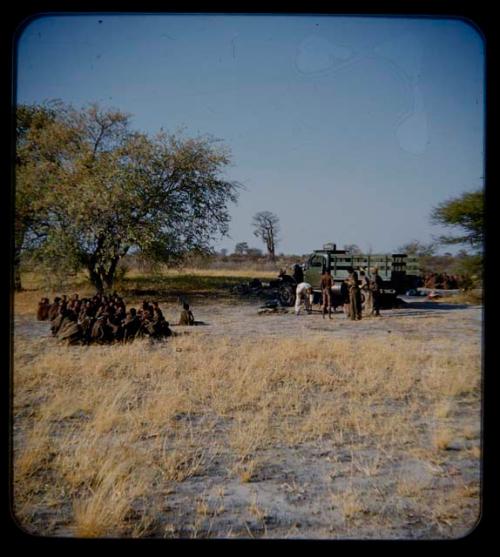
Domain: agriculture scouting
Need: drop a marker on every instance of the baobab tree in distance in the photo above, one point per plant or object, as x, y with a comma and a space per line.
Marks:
266, 227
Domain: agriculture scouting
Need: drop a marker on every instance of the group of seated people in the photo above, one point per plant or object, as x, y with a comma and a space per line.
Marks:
104, 319
443, 281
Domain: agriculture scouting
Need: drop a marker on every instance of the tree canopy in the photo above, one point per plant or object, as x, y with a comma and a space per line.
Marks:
418, 249
353, 249
465, 212
89, 189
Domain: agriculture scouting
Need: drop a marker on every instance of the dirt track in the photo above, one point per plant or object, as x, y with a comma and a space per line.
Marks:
418, 317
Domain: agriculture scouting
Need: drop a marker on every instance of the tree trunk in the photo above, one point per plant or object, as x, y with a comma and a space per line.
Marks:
19, 234
96, 279
270, 251
17, 275
109, 277
270, 245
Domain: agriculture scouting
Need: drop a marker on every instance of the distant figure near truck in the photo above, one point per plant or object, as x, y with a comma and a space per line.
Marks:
396, 274
303, 292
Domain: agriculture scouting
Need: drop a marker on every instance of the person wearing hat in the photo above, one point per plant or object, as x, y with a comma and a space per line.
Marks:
376, 284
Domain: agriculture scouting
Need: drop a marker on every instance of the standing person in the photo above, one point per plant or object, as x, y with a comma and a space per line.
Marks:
326, 292
354, 296
367, 293
344, 293
304, 290
298, 273
376, 284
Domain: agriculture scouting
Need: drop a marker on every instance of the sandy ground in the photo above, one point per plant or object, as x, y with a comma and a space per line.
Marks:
419, 317
292, 497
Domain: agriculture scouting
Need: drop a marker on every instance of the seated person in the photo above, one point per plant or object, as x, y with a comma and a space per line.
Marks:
43, 309
187, 317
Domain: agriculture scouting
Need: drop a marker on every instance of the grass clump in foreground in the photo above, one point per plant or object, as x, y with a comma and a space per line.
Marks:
108, 438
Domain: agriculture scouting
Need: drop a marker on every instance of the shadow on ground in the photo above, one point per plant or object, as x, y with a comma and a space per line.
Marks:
434, 305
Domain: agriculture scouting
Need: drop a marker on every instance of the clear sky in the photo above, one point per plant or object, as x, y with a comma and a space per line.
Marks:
350, 129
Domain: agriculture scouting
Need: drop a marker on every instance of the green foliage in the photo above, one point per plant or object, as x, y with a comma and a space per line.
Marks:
471, 266
98, 190
418, 249
465, 212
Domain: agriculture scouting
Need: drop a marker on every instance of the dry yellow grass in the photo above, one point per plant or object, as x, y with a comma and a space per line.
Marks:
107, 432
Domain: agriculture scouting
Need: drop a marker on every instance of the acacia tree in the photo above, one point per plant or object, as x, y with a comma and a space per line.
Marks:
418, 249
122, 190
465, 212
266, 227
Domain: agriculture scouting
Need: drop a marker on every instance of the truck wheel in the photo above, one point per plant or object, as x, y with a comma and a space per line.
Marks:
286, 295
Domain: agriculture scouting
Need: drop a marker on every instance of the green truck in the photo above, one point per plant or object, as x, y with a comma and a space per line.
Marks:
398, 271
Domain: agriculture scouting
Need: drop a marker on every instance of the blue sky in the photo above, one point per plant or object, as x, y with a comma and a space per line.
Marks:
350, 129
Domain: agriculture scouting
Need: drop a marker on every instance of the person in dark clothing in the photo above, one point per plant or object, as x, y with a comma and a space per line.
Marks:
344, 294
147, 324
86, 322
100, 329
61, 318
161, 325
54, 308
298, 273
376, 284
42, 313
354, 296
131, 325
156, 310
115, 324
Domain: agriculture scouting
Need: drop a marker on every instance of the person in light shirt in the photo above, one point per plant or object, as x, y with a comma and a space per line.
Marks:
304, 291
